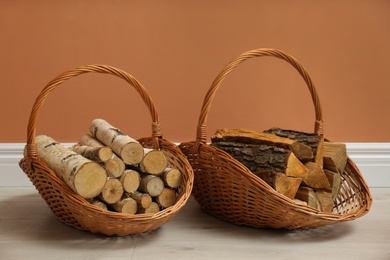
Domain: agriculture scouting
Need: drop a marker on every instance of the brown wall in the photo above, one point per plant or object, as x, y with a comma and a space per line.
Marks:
176, 49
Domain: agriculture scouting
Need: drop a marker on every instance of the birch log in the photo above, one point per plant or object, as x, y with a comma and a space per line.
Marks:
130, 180
127, 148
172, 177
96, 154
153, 208
83, 176
153, 162
112, 191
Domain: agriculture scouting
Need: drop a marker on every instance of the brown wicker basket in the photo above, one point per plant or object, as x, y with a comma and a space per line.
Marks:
74, 210
230, 191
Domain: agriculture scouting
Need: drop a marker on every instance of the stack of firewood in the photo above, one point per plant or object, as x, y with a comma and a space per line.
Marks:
299, 165
113, 171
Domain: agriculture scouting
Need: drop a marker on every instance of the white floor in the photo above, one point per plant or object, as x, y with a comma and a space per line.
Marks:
28, 230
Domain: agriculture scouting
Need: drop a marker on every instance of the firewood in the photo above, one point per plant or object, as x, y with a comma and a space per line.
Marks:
302, 151
334, 179
153, 162
315, 141
96, 154
153, 208
172, 177
259, 158
112, 191
99, 204
83, 176
151, 184
130, 180
283, 184
126, 205
325, 200
307, 195
166, 198
335, 156
300, 202
316, 177
127, 148
143, 199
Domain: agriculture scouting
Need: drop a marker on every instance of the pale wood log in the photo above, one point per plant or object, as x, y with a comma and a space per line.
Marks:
316, 177
308, 195
143, 199
130, 180
112, 191
334, 179
172, 177
126, 205
153, 208
83, 176
259, 158
89, 140
166, 198
153, 162
151, 184
96, 154
302, 151
325, 200
335, 156
127, 148
283, 184
99, 204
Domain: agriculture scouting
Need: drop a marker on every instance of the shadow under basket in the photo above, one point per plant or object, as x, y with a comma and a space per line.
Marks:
75, 211
227, 189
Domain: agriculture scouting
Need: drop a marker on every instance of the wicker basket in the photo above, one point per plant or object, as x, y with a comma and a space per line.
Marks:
228, 190
74, 210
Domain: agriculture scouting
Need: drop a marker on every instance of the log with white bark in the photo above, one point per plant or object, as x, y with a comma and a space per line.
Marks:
96, 154
172, 177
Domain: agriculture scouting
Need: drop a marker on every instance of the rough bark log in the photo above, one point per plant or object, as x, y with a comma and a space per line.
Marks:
154, 208
316, 177
166, 198
283, 184
127, 148
130, 180
126, 205
335, 156
112, 191
302, 151
143, 199
172, 177
83, 176
259, 158
151, 184
96, 154
310, 139
153, 162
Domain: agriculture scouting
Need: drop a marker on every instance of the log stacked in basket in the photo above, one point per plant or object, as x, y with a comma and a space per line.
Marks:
113, 171
296, 164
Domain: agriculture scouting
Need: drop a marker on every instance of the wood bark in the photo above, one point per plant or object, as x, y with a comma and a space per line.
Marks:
283, 184
153, 162
172, 177
130, 180
166, 198
259, 158
96, 154
126, 205
302, 151
83, 176
151, 184
312, 140
112, 191
153, 208
127, 148
335, 156
316, 177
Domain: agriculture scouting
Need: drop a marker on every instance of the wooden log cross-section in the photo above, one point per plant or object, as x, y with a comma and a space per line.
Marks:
83, 176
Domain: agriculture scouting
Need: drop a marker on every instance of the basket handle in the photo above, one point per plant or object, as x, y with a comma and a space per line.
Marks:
31, 149
201, 135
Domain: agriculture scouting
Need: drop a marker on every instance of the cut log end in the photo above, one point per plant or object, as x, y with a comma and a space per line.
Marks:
90, 180
132, 153
112, 191
172, 178
154, 162
130, 180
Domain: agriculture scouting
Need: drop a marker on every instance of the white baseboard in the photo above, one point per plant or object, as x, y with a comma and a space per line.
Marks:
372, 159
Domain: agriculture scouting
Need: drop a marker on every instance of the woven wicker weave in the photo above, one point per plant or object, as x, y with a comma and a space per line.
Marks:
71, 208
228, 190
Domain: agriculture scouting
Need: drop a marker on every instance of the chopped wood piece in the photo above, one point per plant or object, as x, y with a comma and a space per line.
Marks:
112, 191
334, 179
126, 205
259, 158
96, 154
335, 156
130, 180
283, 184
316, 177
172, 177
154, 208
302, 151
143, 199
325, 200
153, 162
127, 148
151, 184
166, 198
300, 202
83, 176
310, 139
307, 195
99, 204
